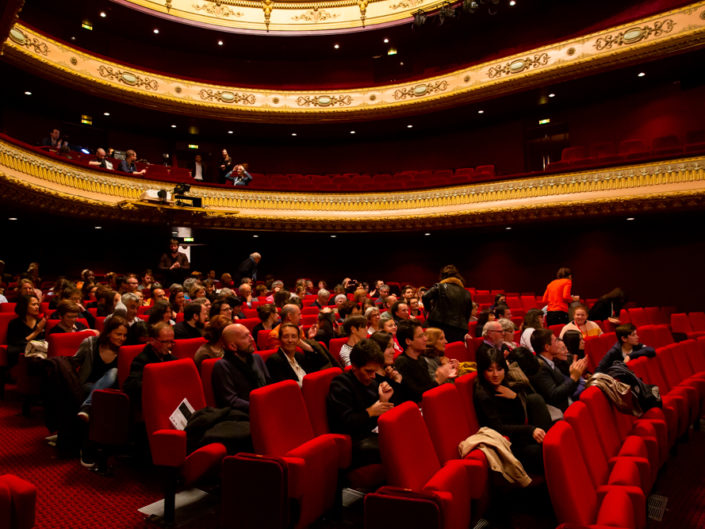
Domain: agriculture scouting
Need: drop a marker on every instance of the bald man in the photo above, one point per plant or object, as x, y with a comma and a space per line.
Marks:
101, 159
239, 371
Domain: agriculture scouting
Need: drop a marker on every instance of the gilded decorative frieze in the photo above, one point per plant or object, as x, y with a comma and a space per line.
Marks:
34, 179
635, 34
646, 39
215, 9
315, 15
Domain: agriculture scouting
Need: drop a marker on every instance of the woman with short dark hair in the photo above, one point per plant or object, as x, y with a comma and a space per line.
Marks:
29, 325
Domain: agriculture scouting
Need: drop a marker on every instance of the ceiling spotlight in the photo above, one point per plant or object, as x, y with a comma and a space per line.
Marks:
409, 126
352, 132
293, 134
333, 236
103, 14
220, 43
419, 18
27, 93
641, 74
427, 234
551, 95
231, 132
336, 46
173, 126
255, 236
508, 228
630, 218
98, 227
512, 3
156, 31
480, 111
386, 41
12, 218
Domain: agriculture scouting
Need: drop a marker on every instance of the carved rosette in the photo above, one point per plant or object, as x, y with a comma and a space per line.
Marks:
635, 34
518, 65
420, 90
128, 78
323, 101
226, 96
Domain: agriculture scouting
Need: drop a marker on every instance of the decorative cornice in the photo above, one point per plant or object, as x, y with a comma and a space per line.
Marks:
30, 178
657, 36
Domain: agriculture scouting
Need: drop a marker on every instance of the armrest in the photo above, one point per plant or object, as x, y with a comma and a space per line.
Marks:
638, 501
616, 510
168, 447
631, 471
344, 444
477, 468
296, 469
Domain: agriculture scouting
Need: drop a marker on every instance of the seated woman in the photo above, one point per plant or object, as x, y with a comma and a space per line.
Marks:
107, 301
27, 326
356, 399
508, 334
221, 308
373, 323
96, 361
67, 312
387, 372
268, 319
533, 319
575, 344
579, 322
161, 311
287, 363
436, 356
521, 417
213, 348
177, 298
388, 324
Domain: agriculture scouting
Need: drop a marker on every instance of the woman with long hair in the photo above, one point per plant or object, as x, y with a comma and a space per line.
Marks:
26, 327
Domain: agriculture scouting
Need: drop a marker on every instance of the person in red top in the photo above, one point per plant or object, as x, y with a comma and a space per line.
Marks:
558, 297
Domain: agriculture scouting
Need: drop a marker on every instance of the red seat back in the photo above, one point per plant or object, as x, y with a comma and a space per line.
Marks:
334, 347
315, 392
458, 351
207, 380
187, 348
697, 321
126, 355
250, 323
446, 421
5, 318
466, 390
680, 323
263, 339
638, 316
8, 307
66, 343
278, 418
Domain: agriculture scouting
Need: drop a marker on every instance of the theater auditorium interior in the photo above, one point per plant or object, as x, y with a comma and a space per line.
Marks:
381, 140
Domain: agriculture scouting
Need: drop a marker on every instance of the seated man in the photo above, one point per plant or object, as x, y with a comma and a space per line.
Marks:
245, 294
158, 349
555, 388
195, 317
493, 334
357, 398
412, 364
355, 328
239, 371
101, 159
400, 311
627, 348
128, 164
383, 293
322, 299
67, 312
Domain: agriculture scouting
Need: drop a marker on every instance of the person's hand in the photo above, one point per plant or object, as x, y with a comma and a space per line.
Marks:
538, 434
175, 266
443, 373
578, 367
385, 392
627, 358
378, 408
392, 374
313, 330
40, 324
455, 363
505, 392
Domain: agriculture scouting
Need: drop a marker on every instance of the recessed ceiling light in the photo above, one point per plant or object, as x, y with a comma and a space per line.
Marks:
336, 46
27, 93
103, 14
427, 234
231, 132
98, 227
173, 126
73, 37
106, 113
551, 95
480, 111
392, 51
386, 41
630, 218
641, 74
220, 43
12, 218
512, 3
255, 236
409, 126
156, 31
508, 228
352, 132
293, 134
333, 236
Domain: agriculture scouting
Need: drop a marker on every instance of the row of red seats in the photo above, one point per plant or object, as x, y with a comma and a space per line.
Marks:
609, 152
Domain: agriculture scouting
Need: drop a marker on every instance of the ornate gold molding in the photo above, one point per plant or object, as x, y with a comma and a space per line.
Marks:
651, 37
31, 178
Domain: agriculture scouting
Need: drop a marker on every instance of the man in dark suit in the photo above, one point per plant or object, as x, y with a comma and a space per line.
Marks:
493, 335
557, 389
248, 268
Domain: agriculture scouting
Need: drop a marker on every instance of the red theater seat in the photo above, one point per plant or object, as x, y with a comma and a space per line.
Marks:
164, 387
18, 500
667, 145
207, 380
187, 348
633, 149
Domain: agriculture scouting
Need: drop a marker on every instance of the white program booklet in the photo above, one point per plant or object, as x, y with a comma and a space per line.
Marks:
181, 414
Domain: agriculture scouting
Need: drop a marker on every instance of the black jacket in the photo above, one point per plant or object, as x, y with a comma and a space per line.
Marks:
553, 386
448, 303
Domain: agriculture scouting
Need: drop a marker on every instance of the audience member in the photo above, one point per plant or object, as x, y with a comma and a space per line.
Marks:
575, 343
248, 268
225, 166
372, 315
195, 318
268, 318
533, 319
436, 356
400, 311
174, 263
177, 298
287, 363
245, 293
558, 296
355, 328
52, 140
213, 348
356, 399
581, 323
161, 312
557, 389
493, 337
67, 312
101, 160
198, 168
239, 371
626, 348
322, 299
449, 305
388, 324
128, 164
383, 294
240, 176
508, 343
609, 306
26, 327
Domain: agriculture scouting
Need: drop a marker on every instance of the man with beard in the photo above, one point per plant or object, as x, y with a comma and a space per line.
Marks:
195, 317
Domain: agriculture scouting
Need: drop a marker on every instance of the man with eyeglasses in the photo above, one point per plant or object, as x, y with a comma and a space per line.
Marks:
493, 335
158, 349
